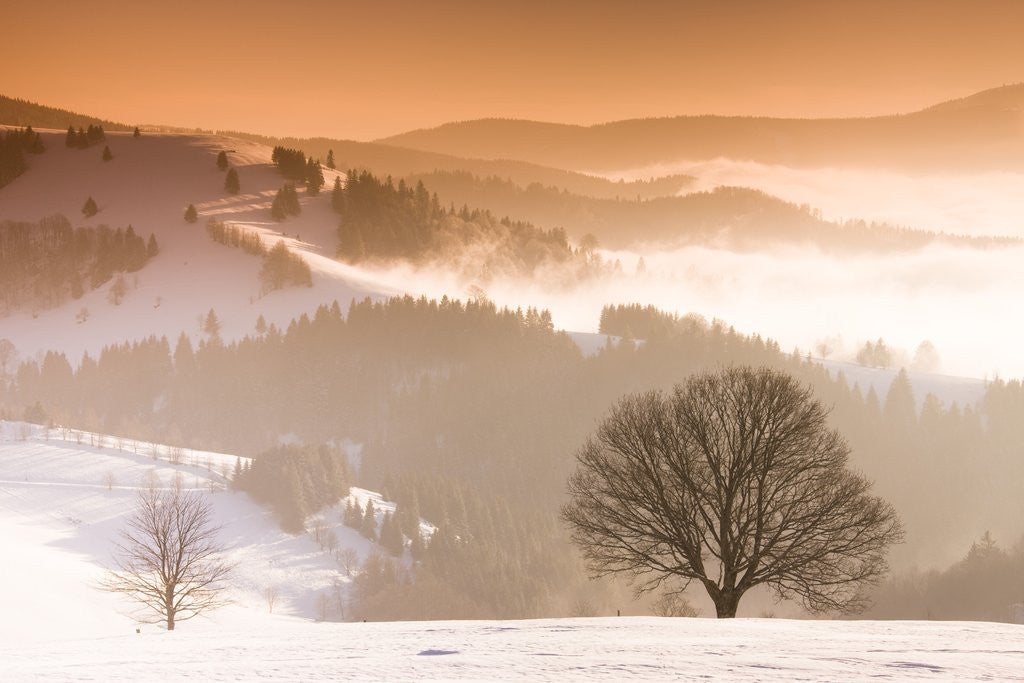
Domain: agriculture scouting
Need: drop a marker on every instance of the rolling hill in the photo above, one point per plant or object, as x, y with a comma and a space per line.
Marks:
982, 132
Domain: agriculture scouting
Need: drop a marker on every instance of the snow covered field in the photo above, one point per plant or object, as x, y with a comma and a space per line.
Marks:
609, 649
62, 502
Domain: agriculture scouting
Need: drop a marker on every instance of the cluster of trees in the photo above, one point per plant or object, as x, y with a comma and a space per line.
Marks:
80, 139
635, 321
471, 414
295, 481
231, 235
286, 203
382, 221
44, 263
14, 144
282, 268
294, 165
984, 585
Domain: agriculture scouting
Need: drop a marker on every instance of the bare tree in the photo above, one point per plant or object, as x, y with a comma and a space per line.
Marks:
271, 595
109, 480
735, 481
168, 557
348, 558
674, 604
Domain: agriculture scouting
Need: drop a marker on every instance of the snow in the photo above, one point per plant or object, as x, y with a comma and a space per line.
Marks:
62, 503
59, 515
148, 184
609, 649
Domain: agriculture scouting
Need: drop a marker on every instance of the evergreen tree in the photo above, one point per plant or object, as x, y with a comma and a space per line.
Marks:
369, 526
191, 215
314, 178
277, 211
71, 139
222, 160
261, 325
211, 325
231, 183
107, 156
337, 195
151, 247
136, 133
330, 159
89, 209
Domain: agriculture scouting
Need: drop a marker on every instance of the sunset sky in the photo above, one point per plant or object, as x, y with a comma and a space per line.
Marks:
368, 69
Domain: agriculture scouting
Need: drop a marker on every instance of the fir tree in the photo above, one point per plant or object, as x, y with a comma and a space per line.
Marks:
222, 160
107, 156
136, 133
89, 209
369, 526
151, 247
191, 215
314, 178
330, 159
231, 183
71, 140
211, 325
261, 325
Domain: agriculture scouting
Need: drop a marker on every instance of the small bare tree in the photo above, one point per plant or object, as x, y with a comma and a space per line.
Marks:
674, 604
109, 480
168, 557
348, 558
270, 594
734, 480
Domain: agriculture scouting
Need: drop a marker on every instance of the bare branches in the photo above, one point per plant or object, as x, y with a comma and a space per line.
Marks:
734, 480
168, 557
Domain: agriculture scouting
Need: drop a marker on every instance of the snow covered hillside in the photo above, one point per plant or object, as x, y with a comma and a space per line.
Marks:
64, 495
148, 184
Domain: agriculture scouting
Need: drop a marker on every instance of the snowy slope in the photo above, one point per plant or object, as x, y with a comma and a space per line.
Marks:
148, 184
62, 503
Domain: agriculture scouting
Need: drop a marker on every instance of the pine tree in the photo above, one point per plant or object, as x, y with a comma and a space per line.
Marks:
314, 178
151, 247
107, 156
261, 325
191, 215
231, 183
71, 139
330, 159
211, 325
222, 160
89, 208
369, 525
136, 132
337, 195
277, 210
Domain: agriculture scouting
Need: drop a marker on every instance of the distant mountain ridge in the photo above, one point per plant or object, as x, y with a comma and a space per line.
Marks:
984, 131
378, 158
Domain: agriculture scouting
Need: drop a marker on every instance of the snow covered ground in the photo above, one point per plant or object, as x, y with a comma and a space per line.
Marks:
65, 494
62, 500
607, 649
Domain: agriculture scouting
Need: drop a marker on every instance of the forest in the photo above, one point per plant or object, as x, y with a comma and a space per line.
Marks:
736, 217
471, 415
382, 221
14, 145
45, 263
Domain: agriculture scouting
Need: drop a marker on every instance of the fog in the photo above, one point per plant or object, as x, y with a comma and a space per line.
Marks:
975, 204
962, 300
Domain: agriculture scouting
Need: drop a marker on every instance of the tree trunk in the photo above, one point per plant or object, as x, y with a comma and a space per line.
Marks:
170, 621
169, 606
726, 604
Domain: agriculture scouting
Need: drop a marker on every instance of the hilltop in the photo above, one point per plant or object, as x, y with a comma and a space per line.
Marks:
984, 131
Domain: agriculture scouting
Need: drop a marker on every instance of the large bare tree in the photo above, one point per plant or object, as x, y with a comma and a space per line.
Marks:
168, 557
733, 480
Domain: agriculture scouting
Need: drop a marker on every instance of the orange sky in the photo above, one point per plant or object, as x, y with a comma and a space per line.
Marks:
368, 69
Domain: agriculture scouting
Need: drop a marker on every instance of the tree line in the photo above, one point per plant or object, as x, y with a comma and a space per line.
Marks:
14, 145
44, 263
